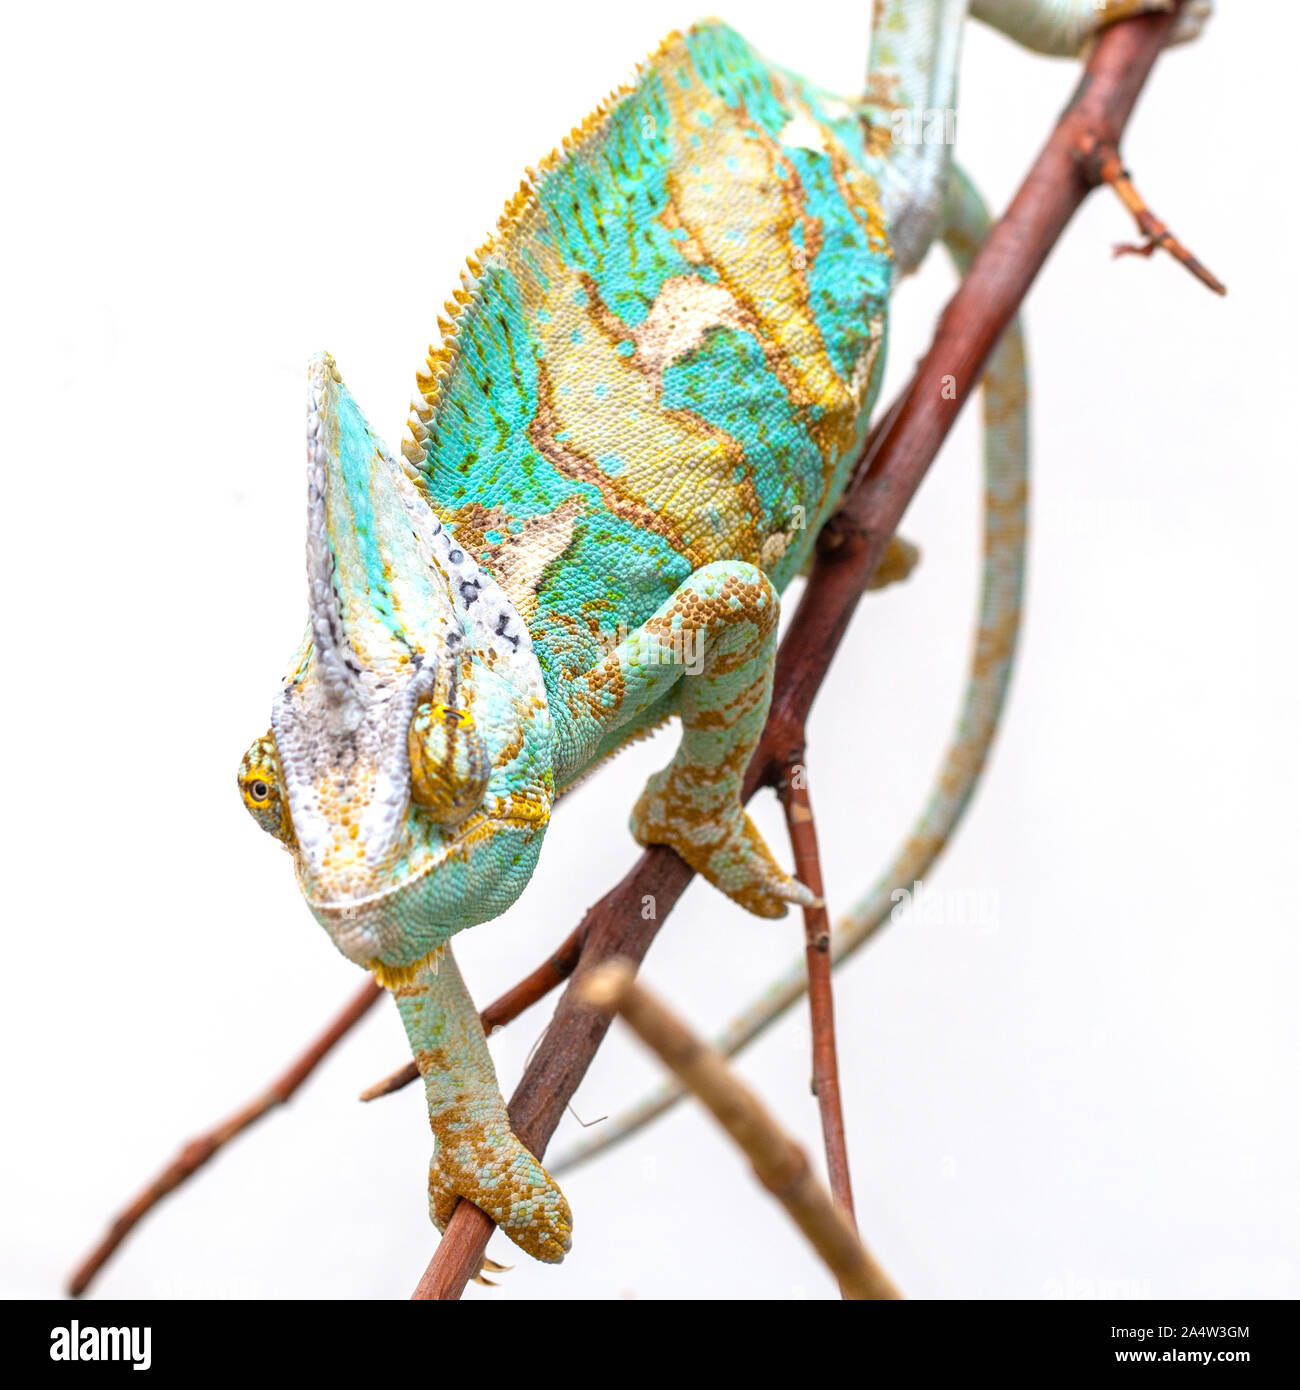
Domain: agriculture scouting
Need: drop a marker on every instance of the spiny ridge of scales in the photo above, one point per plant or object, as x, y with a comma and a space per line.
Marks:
440, 360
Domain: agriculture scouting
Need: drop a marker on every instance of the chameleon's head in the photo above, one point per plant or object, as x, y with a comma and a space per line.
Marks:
408, 762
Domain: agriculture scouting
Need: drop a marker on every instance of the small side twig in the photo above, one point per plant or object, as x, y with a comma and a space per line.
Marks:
779, 1163
199, 1150
793, 791
552, 972
1101, 162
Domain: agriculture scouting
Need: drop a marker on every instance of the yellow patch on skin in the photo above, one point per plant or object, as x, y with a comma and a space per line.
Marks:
520, 206
397, 977
666, 456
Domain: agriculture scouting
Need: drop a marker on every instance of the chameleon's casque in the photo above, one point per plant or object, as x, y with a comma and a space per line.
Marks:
653, 382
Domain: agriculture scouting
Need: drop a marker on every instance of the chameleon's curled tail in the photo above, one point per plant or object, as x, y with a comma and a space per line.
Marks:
1006, 459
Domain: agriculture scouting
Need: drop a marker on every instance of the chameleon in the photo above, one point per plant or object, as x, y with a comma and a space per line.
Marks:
652, 383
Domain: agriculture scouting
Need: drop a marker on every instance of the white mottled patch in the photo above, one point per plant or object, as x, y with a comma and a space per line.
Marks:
799, 133
684, 311
836, 109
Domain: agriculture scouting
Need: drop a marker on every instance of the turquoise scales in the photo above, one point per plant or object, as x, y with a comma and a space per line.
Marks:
648, 395
669, 354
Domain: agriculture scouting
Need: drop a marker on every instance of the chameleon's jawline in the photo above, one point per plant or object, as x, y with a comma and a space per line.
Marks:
365, 928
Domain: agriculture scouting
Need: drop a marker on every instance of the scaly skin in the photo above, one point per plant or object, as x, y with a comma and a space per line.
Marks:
650, 390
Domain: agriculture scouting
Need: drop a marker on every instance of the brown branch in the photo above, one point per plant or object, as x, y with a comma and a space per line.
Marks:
1102, 163
198, 1151
779, 1163
793, 791
394, 1081
897, 454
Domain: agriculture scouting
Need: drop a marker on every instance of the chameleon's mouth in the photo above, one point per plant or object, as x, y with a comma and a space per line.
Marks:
367, 929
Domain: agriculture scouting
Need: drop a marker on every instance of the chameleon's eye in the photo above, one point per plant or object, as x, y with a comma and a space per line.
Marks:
260, 786
449, 763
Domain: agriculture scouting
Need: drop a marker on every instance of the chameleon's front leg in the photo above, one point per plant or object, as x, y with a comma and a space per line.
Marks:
717, 636
475, 1154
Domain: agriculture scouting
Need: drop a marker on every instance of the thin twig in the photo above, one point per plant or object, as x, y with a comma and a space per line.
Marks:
895, 459
512, 1003
198, 1151
1102, 163
793, 791
779, 1163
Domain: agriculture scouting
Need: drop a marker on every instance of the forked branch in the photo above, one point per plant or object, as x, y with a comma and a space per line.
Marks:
1101, 161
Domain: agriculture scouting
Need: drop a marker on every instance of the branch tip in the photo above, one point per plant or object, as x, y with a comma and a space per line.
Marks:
1101, 163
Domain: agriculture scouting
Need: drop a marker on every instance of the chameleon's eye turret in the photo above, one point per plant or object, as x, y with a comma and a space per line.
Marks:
263, 791
449, 763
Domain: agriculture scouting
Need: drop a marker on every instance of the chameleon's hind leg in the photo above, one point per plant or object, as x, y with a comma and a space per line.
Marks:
475, 1155
717, 636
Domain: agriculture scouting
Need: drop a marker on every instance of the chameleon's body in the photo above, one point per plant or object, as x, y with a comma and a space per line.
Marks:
650, 391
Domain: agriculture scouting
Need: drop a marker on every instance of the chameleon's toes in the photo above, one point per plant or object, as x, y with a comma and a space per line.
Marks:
768, 894
492, 1169
486, 1267
724, 847
1191, 20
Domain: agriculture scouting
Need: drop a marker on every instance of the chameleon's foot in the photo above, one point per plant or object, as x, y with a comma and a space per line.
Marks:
896, 564
487, 1267
491, 1168
724, 846
1191, 20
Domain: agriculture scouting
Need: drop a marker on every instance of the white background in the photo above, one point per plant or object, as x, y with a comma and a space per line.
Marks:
1098, 1087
